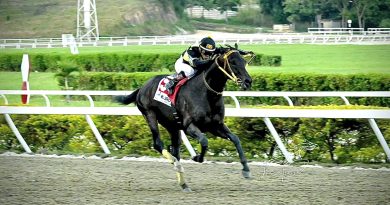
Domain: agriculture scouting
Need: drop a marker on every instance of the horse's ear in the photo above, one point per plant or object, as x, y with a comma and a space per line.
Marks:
236, 46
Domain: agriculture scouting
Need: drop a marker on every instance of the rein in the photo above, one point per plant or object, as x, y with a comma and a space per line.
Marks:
208, 86
226, 65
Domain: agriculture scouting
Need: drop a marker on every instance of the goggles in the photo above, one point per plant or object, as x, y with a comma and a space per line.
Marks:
206, 53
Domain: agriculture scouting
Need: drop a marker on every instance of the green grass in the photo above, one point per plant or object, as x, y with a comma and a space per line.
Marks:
324, 59
38, 81
296, 58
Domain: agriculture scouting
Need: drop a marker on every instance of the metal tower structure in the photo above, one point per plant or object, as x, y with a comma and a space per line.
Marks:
87, 23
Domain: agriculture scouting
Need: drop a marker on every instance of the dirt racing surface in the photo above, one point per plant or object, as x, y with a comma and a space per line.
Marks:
60, 180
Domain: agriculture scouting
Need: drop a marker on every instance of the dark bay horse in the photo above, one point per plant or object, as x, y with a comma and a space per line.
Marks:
199, 108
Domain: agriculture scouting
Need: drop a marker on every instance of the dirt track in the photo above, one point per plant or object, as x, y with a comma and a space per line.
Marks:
43, 180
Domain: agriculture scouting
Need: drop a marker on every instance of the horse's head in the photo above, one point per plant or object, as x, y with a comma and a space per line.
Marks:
233, 65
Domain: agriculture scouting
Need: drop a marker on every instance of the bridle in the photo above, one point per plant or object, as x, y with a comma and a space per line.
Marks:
226, 69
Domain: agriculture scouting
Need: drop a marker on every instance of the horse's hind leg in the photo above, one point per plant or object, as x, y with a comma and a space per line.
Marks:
194, 132
151, 119
176, 142
225, 133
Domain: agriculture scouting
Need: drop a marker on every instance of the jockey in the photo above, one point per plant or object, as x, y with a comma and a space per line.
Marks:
195, 58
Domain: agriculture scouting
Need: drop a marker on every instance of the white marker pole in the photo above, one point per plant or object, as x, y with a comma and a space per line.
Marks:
187, 143
25, 69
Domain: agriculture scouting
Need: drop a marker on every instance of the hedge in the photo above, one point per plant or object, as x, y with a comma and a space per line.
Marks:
110, 62
261, 82
323, 140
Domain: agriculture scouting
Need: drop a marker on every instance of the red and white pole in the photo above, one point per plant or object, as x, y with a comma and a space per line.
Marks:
25, 69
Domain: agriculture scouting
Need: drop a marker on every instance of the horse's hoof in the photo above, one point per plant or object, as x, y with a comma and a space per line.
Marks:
197, 158
246, 174
185, 188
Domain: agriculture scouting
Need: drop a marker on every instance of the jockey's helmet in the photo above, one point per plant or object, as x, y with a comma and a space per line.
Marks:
207, 47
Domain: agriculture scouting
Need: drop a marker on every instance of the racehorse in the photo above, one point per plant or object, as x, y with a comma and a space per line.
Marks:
199, 108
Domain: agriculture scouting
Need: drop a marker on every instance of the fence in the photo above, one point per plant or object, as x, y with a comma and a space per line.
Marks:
378, 31
349, 31
372, 37
266, 114
336, 31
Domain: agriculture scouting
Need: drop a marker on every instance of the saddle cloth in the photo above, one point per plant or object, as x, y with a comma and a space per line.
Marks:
162, 95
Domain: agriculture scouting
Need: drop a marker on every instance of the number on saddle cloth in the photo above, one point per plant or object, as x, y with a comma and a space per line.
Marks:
163, 95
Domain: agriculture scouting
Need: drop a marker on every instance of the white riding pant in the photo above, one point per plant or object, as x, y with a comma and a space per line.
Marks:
180, 66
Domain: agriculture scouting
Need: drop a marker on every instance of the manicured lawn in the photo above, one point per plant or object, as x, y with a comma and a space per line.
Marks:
301, 58
38, 81
343, 59
296, 58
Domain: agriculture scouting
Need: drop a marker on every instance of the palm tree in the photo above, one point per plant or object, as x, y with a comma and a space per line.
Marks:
64, 70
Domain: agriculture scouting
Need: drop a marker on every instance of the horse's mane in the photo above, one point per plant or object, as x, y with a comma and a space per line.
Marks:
224, 49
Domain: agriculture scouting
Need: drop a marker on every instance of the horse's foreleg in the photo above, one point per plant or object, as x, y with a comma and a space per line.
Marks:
194, 132
175, 159
176, 142
245, 171
179, 170
225, 133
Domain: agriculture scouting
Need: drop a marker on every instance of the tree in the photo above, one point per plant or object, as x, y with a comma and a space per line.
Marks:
273, 8
225, 5
378, 16
300, 10
343, 7
64, 71
206, 4
361, 8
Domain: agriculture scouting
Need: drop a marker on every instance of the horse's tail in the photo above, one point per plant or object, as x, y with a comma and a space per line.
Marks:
127, 99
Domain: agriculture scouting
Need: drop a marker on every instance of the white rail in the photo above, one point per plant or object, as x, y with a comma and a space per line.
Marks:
378, 31
266, 114
230, 112
337, 31
369, 37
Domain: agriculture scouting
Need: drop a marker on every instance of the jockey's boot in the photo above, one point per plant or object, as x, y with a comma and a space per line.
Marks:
174, 79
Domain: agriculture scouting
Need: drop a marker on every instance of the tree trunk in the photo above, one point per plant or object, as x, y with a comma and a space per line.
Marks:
343, 21
360, 21
67, 97
330, 143
318, 20
342, 7
360, 10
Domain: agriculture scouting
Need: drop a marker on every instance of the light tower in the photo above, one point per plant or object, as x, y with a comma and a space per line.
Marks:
87, 23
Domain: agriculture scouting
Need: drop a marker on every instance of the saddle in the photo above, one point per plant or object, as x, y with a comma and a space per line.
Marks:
162, 95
